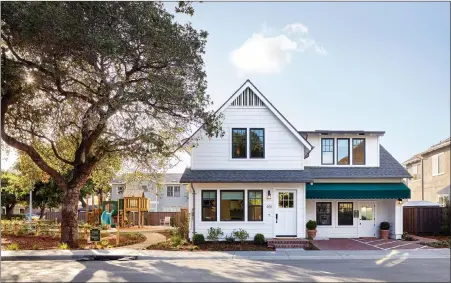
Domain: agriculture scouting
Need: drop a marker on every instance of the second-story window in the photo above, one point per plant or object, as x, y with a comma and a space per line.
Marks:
358, 151
343, 151
327, 151
257, 143
170, 191
239, 143
176, 191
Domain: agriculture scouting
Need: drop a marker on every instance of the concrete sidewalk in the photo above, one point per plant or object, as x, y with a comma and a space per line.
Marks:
287, 254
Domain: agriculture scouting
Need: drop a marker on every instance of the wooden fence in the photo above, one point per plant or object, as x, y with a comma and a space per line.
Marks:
422, 220
52, 215
153, 218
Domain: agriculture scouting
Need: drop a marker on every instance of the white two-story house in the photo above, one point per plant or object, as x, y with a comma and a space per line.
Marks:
265, 176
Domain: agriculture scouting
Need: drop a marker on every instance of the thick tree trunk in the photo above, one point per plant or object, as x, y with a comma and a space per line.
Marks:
41, 214
10, 209
69, 223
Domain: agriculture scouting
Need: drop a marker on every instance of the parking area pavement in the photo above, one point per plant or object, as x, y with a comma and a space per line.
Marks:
367, 244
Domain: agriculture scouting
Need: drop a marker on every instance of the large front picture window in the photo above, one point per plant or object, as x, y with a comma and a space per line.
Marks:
232, 205
257, 143
324, 213
343, 151
239, 143
255, 207
345, 213
209, 206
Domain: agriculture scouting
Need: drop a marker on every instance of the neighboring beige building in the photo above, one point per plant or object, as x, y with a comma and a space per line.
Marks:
431, 173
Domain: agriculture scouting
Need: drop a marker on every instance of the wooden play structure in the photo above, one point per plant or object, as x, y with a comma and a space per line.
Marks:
129, 211
133, 206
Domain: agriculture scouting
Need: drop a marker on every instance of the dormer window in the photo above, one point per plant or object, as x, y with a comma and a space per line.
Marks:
327, 151
239, 143
343, 152
358, 151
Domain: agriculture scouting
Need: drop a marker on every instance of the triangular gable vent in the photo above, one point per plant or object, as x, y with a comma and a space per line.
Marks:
248, 98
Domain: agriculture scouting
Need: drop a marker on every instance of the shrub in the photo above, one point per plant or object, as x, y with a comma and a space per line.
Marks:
35, 247
259, 239
446, 219
409, 238
404, 235
214, 233
183, 229
311, 225
230, 239
172, 221
105, 243
384, 226
198, 239
63, 246
13, 247
241, 235
176, 240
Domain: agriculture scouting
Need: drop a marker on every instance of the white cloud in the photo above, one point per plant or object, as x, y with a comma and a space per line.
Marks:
263, 53
296, 28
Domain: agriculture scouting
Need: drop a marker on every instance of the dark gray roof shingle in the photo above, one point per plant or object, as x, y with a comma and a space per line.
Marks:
389, 168
245, 176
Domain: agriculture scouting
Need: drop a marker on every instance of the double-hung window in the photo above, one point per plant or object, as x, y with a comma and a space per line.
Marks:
438, 164
327, 151
209, 200
239, 143
358, 151
170, 191
343, 151
255, 206
176, 191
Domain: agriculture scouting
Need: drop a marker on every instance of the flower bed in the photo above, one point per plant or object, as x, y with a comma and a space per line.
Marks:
210, 246
44, 242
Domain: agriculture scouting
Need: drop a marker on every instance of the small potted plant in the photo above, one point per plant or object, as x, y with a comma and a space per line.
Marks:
384, 229
311, 229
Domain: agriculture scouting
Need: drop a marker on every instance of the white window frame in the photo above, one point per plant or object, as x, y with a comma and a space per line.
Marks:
435, 164
171, 190
176, 193
415, 175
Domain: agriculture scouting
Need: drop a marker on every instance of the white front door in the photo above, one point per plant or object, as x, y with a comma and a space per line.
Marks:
286, 214
367, 219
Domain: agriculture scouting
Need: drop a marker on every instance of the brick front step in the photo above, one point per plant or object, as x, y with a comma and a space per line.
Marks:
289, 246
287, 243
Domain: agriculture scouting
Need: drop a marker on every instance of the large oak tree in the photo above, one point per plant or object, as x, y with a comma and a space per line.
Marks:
120, 78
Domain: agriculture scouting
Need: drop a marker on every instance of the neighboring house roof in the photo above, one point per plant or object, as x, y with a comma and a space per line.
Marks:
245, 176
444, 191
351, 132
248, 84
172, 178
389, 167
417, 157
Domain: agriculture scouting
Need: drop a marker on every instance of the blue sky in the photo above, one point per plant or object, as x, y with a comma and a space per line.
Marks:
370, 66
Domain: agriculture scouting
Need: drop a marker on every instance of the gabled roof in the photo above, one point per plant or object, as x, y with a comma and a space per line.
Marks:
245, 176
343, 132
389, 167
417, 157
248, 84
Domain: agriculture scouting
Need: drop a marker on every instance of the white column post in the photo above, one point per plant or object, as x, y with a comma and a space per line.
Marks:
398, 220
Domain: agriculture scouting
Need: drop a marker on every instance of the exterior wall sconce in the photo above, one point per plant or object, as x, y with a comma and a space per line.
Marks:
399, 201
269, 194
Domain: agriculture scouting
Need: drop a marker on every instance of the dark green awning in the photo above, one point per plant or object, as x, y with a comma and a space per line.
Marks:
357, 191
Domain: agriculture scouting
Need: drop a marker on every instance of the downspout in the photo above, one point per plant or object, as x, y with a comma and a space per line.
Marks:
422, 179
194, 209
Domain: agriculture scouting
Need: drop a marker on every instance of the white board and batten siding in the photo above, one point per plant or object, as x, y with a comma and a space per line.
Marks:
283, 151
371, 150
265, 227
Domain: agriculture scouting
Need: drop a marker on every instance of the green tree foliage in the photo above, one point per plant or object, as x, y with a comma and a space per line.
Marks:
12, 193
102, 78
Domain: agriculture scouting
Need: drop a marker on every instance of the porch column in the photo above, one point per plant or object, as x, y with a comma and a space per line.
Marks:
398, 221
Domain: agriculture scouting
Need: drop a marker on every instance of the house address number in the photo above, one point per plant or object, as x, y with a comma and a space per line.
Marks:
269, 206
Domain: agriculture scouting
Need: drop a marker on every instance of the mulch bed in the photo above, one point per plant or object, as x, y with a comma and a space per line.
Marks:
211, 246
439, 237
30, 242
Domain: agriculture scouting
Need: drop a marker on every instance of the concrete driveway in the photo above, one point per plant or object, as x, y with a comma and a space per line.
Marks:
367, 244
